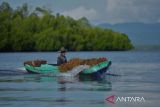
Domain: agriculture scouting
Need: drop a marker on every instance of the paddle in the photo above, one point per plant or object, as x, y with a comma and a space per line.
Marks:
112, 74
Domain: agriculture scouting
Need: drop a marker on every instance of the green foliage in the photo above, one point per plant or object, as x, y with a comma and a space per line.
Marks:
40, 30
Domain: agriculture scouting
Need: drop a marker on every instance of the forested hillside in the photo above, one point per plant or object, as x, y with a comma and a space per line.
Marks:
42, 30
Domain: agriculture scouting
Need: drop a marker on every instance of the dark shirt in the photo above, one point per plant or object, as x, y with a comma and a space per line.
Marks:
61, 60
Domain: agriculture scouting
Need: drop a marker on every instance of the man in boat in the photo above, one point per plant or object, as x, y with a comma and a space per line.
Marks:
62, 58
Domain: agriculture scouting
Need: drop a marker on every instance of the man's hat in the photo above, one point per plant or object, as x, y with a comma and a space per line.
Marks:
62, 50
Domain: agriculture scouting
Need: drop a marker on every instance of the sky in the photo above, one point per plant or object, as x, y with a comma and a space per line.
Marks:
100, 11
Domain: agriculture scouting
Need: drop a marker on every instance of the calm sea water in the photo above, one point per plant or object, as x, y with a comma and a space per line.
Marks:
139, 77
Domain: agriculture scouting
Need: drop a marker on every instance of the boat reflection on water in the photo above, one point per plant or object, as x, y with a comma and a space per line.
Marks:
81, 82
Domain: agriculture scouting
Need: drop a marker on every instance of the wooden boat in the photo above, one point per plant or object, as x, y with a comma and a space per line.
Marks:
45, 68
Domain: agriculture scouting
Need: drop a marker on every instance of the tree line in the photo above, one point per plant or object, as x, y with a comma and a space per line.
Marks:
41, 30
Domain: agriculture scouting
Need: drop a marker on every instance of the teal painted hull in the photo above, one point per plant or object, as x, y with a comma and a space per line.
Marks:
47, 68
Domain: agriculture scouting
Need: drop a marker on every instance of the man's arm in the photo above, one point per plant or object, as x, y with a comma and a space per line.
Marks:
58, 61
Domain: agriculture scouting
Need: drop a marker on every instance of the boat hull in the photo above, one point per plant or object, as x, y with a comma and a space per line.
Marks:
98, 75
94, 71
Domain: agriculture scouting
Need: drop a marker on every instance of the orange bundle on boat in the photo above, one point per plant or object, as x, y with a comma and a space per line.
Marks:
35, 63
77, 61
